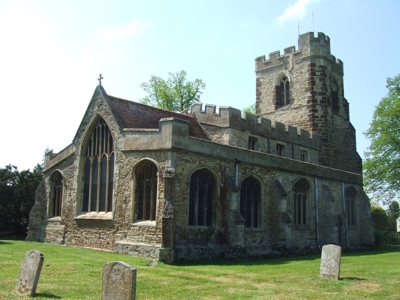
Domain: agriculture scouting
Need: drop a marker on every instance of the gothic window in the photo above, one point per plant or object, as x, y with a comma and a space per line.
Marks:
99, 170
351, 194
283, 92
280, 149
56, 195
335, 97
201, 198
300, 200
250, 199
146, 191
252, 143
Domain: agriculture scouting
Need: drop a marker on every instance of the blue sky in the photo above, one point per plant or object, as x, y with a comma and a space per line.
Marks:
52, 53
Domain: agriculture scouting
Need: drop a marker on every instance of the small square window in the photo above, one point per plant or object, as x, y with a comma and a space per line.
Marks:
280, 149
304, 155
252, 144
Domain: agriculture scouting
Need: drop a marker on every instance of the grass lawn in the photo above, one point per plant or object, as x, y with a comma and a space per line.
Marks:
73, 273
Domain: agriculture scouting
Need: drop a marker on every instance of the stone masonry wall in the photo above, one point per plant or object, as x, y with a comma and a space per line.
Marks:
313, 74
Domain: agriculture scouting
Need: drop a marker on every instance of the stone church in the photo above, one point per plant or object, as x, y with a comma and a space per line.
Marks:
211, 182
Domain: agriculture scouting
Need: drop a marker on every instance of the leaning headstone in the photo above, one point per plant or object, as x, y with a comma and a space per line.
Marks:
30, 273
119, 281
330, 261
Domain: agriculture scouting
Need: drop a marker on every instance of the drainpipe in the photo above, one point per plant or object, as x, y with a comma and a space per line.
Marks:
237, 172
316, 211
346, 220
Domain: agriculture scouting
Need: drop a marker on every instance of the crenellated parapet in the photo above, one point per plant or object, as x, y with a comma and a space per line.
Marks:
228, 117
308, 45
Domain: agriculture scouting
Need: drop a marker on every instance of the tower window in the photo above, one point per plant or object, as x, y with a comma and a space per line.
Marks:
335, 97
283, 93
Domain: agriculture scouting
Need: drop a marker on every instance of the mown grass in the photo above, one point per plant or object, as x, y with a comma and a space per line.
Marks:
74, 273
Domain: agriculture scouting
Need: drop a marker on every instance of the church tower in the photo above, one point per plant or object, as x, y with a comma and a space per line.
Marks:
304, 88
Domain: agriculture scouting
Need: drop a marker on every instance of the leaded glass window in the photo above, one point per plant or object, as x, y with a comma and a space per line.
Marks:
99, 170
201, 198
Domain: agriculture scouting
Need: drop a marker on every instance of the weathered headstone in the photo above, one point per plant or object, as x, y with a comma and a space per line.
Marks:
30, 273
330, 261
119, 281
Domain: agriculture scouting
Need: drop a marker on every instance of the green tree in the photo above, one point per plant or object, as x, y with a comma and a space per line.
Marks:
17, 196
382, 158
251, 109
379, 216
175, 94
393, 213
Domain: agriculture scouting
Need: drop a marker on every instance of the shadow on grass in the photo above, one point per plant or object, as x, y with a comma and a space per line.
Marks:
284, 260
352, 278
47, 295
4, 242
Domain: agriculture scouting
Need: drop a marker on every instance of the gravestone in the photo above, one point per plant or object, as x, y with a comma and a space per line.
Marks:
30, 272
330, 262
119, 281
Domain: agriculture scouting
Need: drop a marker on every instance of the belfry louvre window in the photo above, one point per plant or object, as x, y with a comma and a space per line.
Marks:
56, 194
300, 203
201, 198
351, 195
146, 191
99, 170
283, 93
250, 195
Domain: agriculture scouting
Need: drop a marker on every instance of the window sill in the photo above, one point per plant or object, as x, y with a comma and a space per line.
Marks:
95, 216
54, 219
145, 223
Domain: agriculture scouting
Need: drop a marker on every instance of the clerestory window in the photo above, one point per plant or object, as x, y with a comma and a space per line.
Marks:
300, 212
201, 198
250, 200
99, 170
146, 191
252, 143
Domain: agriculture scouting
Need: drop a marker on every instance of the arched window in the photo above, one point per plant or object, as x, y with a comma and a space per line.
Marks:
56, 194
99, 170
250, 199
300, 212
201, 198
283, 92
351, 195
146, 191
335, 96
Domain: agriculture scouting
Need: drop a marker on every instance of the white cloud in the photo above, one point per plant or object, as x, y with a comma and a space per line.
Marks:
296, 11
120, 34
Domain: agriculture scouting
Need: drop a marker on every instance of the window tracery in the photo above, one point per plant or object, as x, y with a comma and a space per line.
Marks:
99, 170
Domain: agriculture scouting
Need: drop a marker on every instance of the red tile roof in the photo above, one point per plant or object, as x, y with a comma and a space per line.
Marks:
137, 115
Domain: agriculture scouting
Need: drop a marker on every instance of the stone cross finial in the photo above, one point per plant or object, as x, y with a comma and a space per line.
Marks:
100, 78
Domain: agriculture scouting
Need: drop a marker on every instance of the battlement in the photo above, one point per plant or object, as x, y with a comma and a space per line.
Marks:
308, 45
231, 117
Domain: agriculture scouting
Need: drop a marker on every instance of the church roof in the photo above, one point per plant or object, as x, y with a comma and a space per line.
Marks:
137, 115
